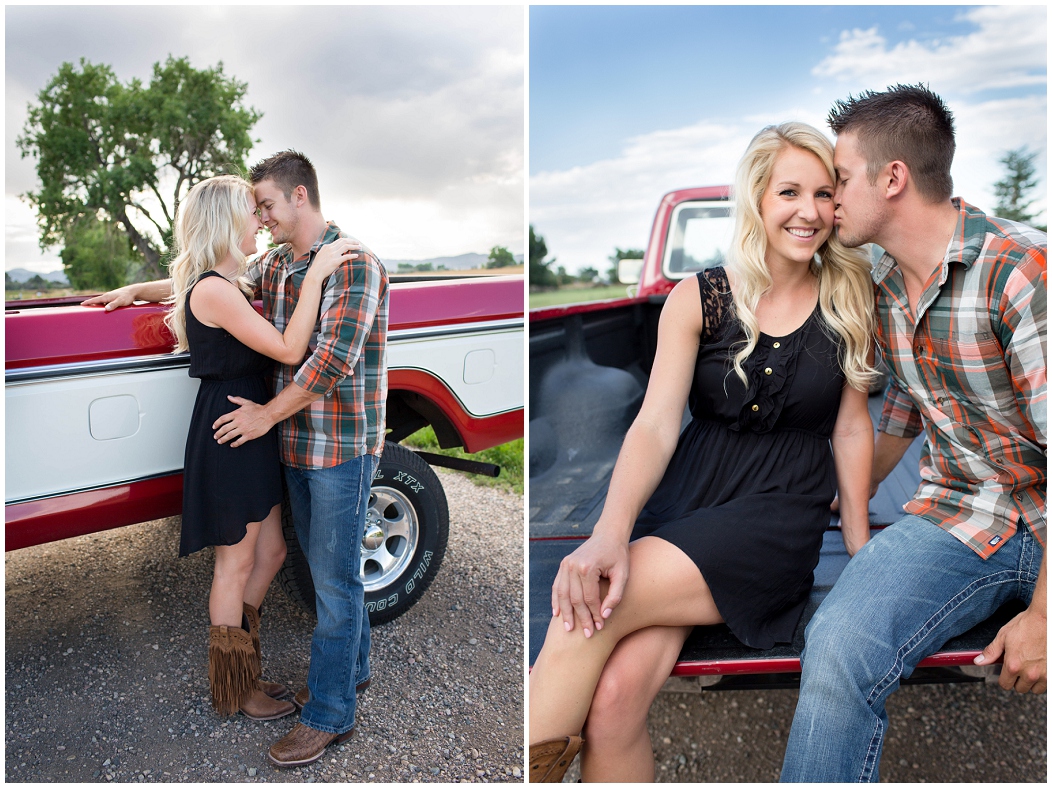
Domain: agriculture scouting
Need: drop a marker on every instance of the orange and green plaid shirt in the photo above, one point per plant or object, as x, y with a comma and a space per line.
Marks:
348, 354
969, 369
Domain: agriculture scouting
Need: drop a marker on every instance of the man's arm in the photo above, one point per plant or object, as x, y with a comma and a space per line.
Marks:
1023, 641
349, 305
253, 420
887, 452
1022, 331
155, 291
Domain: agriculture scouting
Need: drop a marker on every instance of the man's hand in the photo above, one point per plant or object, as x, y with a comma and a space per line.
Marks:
1023, 643
576, 587
247, 423
122, 296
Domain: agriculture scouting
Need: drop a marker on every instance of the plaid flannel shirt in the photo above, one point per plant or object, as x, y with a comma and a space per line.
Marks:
970, 371
348, 354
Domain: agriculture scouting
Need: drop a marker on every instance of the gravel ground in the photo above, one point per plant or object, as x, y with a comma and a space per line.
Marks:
106, 674
955, 733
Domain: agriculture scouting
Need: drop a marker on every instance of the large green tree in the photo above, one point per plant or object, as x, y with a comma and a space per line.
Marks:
541, 274
128, 153
1014, 189
97, 255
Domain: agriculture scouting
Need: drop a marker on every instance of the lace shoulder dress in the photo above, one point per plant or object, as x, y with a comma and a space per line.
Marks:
746, 494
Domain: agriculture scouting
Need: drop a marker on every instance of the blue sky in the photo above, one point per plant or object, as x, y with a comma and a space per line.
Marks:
628, 102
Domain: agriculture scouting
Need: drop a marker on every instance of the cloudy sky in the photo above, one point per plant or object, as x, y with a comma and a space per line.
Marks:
413, 116
627, 103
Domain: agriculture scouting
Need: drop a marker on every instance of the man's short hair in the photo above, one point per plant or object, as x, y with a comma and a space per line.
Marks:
288, 170
907, 123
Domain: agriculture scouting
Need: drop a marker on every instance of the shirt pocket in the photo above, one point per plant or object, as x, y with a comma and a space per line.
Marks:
972, 370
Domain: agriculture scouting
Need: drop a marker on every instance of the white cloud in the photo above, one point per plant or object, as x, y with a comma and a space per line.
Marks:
584, 212
20, 239
1006, 51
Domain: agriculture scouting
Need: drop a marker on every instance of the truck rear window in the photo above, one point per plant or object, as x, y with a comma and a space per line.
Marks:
699, 236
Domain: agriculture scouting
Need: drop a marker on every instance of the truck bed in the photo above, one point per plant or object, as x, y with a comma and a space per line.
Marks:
567, 499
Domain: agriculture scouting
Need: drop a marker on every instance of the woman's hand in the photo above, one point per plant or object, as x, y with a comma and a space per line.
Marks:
332, 256
576, 588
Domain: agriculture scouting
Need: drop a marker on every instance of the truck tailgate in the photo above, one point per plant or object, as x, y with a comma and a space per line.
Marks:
565, 505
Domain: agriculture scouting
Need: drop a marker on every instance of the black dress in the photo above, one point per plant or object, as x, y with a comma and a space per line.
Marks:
746, 495
225, 488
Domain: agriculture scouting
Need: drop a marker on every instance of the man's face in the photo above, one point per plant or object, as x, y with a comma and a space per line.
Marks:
278, 215
861, 211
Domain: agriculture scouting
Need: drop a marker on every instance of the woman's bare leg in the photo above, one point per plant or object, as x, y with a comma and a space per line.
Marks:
269, 556
664, 588
617, 745
234, 565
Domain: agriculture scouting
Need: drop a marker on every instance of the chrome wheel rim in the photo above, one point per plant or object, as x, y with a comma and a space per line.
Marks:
391, 535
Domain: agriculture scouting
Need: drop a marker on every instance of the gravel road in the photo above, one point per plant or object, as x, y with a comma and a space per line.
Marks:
953, 733
106, 674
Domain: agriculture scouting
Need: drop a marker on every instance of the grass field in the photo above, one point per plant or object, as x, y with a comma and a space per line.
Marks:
576, 295
508, 456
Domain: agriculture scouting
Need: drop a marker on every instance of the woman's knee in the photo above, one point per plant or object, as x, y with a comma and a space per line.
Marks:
620, 704
234, 565
274, 554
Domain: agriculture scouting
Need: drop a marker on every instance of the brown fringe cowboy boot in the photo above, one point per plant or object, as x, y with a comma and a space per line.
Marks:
271, 688
231, 667
231, 676
550, 759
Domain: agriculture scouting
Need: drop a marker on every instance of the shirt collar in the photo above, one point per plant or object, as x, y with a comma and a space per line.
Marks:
967, 242
283, 254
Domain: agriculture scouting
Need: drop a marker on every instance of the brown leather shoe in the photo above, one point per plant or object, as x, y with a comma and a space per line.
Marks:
303, 745
550, 759
302, 698
273, 689
260, 706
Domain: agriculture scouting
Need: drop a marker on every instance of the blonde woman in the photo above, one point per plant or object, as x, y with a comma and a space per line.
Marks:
722, 523
232, 496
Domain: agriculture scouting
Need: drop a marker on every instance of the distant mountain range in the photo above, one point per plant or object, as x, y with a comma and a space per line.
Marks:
23, 275
460, 262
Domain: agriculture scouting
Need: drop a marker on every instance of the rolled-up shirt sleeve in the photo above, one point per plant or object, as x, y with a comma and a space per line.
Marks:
900, 417
1022, 333
349, 304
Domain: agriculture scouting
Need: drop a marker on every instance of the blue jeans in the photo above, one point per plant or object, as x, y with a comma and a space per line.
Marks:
328, 510
902, 596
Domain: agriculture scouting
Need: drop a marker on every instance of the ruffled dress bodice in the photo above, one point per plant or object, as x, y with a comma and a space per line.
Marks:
746, 494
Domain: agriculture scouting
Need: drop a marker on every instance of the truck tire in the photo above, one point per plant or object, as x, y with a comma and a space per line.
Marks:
406, 531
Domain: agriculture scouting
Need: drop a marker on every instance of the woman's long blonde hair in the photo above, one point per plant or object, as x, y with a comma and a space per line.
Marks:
845, 289
211, 223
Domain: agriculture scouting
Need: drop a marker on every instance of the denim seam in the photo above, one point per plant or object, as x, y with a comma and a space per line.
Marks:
895, 672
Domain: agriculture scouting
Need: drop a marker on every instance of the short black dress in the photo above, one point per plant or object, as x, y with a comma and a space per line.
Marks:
225, 488
746, 495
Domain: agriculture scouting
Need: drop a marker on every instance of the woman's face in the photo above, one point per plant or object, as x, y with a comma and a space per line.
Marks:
797, 207
252, 228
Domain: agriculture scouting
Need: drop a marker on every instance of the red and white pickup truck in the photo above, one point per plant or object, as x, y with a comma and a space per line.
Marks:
589, 366
97, 410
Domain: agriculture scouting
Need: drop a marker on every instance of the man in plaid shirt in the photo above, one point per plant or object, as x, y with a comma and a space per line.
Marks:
961, 324
332, 416
331, 411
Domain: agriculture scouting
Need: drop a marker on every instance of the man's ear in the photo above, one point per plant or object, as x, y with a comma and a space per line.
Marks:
896, 175
299, 196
